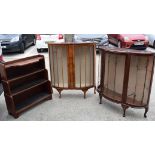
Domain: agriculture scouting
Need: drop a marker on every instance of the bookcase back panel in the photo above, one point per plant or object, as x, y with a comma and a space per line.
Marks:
17, 70
30, 80
21, 100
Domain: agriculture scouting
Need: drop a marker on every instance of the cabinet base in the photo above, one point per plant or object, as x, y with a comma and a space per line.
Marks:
125, 107
83, 89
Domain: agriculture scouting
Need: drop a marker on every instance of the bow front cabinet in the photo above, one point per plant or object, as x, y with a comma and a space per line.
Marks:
72, 66
126, 77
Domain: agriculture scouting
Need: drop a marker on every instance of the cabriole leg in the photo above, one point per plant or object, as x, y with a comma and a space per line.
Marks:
84, 91
84, 94
94, 90
100, 95
59, 91
146, 110
15, 116
124, 110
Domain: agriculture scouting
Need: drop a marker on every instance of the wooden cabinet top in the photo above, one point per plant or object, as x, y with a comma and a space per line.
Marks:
125, 51
70, 43
23, 61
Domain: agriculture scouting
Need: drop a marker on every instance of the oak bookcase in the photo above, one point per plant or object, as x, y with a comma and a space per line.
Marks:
25, 82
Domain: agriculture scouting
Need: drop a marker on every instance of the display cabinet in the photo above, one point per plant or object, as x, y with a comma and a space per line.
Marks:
25, 82
126, 77
72, 66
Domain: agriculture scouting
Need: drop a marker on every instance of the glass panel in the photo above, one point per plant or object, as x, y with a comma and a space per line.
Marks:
119, 76
84, 66
59, 71
89, 65
77, 55
148, 79
55, 68
65, 65
114, 76
139, 80
51, 65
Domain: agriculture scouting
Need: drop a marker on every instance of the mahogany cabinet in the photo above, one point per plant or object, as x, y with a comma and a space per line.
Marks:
126, 77
72, 66
25, 82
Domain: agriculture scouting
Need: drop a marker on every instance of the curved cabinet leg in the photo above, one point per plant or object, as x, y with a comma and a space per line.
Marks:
15, 115
124, 110
94, 90
100, 95
84, 94
59, 91
146, 110
84, 91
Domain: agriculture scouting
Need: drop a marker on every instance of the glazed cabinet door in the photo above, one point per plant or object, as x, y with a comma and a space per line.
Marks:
84, 57
140, 74
113, 75
59, 65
